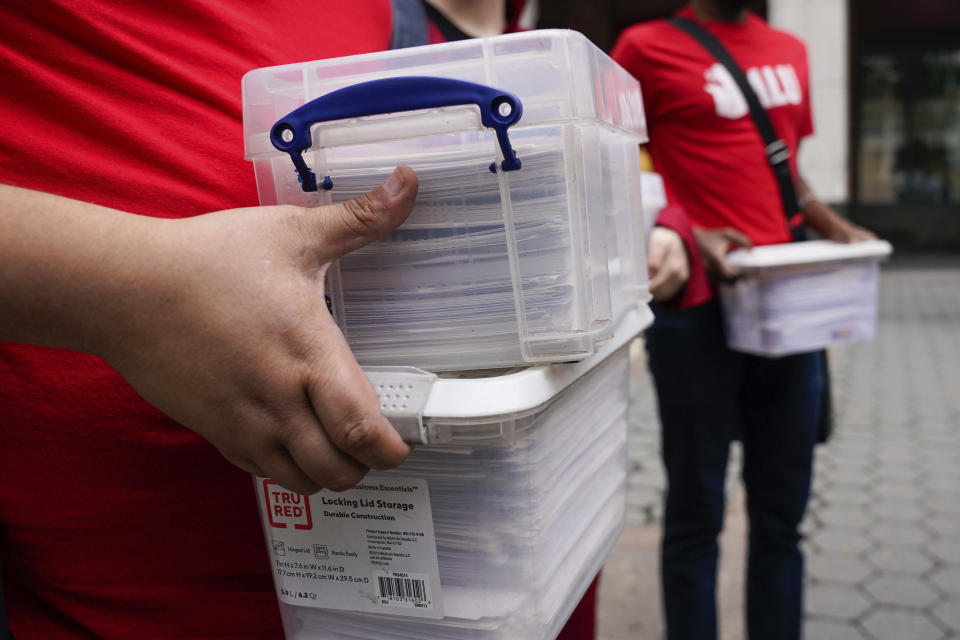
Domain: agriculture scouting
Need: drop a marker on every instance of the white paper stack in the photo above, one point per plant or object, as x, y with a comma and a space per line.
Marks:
803, 296
438, 292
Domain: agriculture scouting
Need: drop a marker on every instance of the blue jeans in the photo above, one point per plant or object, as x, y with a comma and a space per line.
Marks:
708, 395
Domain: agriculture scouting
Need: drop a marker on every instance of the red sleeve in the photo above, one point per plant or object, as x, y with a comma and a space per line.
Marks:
697, 290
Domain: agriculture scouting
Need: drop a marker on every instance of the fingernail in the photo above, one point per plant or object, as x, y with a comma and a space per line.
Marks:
394, 184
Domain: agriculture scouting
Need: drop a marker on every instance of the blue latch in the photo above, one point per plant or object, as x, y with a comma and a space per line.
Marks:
498, 111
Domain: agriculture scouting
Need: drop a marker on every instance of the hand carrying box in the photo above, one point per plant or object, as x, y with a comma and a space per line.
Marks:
526, 242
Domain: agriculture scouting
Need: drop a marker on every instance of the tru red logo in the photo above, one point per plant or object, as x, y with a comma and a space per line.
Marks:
286, 508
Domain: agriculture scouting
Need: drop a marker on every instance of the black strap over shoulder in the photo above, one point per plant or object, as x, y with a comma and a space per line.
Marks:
778, 154
409, 24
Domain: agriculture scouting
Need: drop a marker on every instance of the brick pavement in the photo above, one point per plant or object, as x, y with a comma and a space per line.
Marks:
883, 528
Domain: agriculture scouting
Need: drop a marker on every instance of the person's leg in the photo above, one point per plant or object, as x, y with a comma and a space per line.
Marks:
697, 379
781, 407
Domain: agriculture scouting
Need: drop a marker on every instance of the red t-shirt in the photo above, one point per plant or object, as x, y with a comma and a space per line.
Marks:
702, 138
117, 522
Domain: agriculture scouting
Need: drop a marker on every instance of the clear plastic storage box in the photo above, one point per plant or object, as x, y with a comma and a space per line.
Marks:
526, 242
803, 296
526, 473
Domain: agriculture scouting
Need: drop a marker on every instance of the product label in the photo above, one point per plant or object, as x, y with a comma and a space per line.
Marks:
369, 549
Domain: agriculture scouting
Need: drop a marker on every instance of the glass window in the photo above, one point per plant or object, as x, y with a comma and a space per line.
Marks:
909, 121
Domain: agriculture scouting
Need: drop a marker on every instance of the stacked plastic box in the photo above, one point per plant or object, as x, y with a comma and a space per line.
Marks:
494, 267
527, 489
803, 296
525, 246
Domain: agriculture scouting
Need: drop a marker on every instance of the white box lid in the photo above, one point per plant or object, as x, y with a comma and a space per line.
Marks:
509, 395
559, 76
529, 388
805, 253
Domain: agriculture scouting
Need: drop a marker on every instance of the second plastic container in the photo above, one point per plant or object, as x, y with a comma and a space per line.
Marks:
491, 531
803, 296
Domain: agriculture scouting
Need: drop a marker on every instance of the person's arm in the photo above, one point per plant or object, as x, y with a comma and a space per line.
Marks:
218, 320
667, 263
674, 263
824, 220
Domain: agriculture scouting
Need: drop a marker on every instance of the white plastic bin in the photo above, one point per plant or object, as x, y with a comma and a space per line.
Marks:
526, 474
494, 267
803, 296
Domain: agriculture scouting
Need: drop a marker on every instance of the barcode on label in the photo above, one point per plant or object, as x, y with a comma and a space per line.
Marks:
403, 589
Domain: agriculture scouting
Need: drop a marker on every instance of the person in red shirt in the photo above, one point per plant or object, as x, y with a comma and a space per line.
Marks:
121, 125
121, 132
722, 192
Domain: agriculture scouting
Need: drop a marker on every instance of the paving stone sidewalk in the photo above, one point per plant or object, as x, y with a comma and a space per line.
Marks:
883, 527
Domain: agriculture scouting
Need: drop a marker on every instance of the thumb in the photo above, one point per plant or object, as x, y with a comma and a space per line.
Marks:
346, 226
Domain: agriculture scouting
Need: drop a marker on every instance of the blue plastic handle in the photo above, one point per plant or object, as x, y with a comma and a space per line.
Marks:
498, 111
